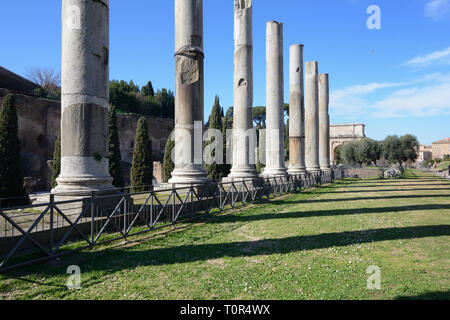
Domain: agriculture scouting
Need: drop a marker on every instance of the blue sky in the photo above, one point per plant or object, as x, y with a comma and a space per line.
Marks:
395, 80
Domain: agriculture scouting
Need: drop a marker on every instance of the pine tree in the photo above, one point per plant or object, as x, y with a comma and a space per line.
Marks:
11, 176
56, 167
114, 150
168, 165
142, 164
227, 123
215, 171
147, 90
286, 141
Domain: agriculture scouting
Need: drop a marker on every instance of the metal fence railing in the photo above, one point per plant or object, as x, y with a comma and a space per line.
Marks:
44, 231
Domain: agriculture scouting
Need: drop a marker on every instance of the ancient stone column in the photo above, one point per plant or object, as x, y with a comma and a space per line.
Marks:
324, 123
189, 93
275, 153
244, 137
312, 117
85, 97
296, 112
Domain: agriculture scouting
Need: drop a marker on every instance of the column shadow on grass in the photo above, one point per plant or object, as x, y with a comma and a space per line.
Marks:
433, 295
382, 190
406, 196
117, 259
391, 185
322, 213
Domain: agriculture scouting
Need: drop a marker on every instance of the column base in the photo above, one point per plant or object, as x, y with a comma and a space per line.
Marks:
314, 170
297, 171
325, 169
240, 174
83, 186
185, 178
277, 172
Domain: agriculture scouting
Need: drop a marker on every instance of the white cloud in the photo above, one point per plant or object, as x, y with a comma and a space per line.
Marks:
437, 9
407, 99
426, 60
419, 102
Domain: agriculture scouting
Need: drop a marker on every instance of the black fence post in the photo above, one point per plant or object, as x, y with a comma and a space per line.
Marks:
52, 205
92, 218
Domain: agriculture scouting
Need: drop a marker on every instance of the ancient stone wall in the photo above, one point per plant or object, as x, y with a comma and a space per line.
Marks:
39, 122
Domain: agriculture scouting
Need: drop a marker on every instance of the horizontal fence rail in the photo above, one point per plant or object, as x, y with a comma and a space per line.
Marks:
45, 231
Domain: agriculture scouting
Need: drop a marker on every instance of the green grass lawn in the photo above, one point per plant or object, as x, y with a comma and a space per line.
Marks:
314, 245
443, 165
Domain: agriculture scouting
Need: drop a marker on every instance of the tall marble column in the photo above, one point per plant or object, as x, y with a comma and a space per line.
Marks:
275, 152
84, 97
244, 136
296, 112
312, 117
324, 123
189, 93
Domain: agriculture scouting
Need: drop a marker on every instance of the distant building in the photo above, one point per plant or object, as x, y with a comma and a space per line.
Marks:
425, 153
441, 148
342, 133
13, 82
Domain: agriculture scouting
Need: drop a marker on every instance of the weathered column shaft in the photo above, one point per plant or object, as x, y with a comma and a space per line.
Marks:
84, 97
312, 117
296, 111
324, 123
244, 138
189, 93
275, 153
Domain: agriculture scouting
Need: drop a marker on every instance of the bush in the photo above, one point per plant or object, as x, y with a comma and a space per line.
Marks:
142, 164
114, 155
168, 165
11, 176
56, 168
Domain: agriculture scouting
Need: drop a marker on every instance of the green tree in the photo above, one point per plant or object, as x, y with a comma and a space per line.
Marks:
338, 155
392, 149
286, 141
215, 171
259, 117
348, 153
147, 90
56, 167
410, 147
166, 100
227, 123
168, 165
123, 96
367, 151
142, 164
114, 156
11, 176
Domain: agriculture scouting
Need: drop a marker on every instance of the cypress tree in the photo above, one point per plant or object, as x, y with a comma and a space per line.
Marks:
142, 164
227, 123
11, 176
114, 150
56, 168
286, 141
215, 171
168, 165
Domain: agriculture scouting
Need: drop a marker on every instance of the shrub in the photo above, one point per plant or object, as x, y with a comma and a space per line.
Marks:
142, 164
11, 176
114, 155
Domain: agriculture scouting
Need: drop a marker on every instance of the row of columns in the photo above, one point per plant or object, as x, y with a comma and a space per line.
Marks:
85, 99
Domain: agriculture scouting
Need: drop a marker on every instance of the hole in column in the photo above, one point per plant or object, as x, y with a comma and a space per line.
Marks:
105, 56
242, 83
298, 69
